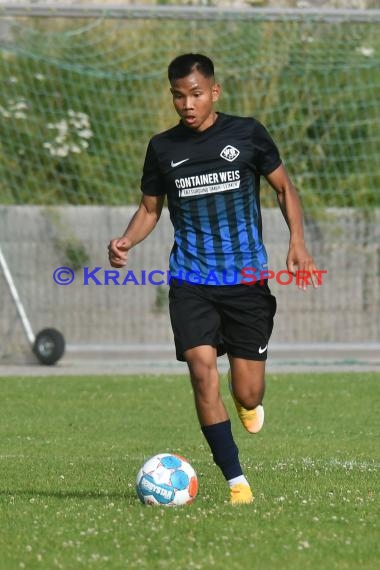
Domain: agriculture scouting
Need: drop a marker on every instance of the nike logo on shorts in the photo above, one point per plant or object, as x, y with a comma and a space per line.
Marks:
261, 350
174, 164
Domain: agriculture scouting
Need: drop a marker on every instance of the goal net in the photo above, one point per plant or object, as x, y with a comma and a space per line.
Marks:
80, 98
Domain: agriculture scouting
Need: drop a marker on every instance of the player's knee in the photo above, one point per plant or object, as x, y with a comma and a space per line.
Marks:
205, 380
249, 399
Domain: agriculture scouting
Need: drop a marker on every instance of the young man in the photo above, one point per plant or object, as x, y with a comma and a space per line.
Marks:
209, 168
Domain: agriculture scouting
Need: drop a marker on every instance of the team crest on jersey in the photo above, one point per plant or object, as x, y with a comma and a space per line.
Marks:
230, 153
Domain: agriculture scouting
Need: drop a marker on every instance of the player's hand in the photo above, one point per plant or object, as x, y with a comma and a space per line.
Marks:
118, 251
301, 264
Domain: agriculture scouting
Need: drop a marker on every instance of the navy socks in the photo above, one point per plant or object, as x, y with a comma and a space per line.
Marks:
223, 448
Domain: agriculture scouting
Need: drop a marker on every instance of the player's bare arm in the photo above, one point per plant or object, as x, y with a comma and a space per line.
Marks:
298, 256
142, 223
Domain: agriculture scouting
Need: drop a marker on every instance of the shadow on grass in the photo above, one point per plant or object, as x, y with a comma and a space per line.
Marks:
128, 494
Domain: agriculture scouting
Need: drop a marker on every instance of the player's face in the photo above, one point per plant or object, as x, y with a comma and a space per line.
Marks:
193, 98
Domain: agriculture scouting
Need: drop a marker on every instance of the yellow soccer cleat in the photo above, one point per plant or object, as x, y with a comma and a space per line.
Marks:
252, 420
241, 494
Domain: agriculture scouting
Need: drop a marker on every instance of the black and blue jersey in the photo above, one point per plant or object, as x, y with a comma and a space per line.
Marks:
212, 183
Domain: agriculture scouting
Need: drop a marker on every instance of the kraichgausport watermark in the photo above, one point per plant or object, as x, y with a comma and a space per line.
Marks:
247, 276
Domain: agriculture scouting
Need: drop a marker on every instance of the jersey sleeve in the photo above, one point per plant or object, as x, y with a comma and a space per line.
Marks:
152, 182
267, 156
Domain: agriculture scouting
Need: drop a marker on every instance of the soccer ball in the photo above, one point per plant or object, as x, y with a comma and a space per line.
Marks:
166, 479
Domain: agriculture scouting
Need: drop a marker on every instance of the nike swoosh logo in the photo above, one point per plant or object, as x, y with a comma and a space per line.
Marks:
174, 164
261, 350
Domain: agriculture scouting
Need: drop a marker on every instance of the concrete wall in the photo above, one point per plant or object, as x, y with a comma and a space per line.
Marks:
34, 239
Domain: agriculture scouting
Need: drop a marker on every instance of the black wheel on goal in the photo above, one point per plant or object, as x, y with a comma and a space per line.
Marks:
49, 346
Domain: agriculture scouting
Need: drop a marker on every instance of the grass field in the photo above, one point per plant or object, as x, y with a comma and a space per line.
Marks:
70, 449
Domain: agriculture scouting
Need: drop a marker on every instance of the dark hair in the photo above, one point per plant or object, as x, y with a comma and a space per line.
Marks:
184, 64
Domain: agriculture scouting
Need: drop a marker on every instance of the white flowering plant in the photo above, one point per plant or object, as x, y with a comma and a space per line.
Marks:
71, 135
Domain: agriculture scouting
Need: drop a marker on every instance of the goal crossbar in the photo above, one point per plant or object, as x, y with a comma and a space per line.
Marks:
119, 11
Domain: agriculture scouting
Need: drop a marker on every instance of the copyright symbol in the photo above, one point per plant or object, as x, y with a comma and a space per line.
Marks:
63, 275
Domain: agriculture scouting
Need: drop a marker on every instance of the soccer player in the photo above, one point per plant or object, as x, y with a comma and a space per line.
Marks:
209, 167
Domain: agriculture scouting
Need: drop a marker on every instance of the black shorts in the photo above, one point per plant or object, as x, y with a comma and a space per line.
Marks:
235, 319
